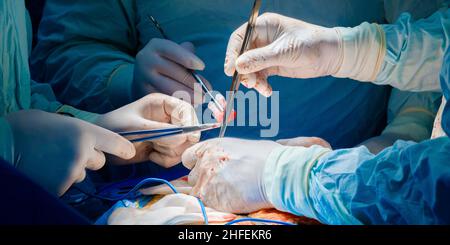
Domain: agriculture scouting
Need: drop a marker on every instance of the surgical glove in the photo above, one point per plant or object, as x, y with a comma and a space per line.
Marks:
162, 66
155, 111
173, 209
304, 142
292, 48
55, 150
227, 173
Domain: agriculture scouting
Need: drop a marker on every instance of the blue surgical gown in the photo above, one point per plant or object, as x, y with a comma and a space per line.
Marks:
86, 51
408, 183
17, 90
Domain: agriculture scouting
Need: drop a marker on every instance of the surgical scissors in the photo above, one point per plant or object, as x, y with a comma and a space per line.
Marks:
166, 132
193, 73
236, 78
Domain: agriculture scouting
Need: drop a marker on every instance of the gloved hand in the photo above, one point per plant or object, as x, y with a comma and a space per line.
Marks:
227, 173
54, 150
304, 142
292, 48
155, 111
173, 209
162, 66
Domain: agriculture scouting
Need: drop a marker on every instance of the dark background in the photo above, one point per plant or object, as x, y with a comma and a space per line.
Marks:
35, 8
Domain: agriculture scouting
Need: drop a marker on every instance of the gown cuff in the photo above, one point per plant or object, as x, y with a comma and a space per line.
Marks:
363, 50
120, 83
286, 178
83, 115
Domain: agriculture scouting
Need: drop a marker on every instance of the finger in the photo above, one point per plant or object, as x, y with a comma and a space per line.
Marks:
193, 154
170, 86
96, 161
204, 163
112, 143
262, 85
217, 113
248, 80
233, 49
143, 150
166, 151
163, 160
176, 111
173, 141
203, 172
183, 114
173, 151
179, 54
188, 46
261, 37
258, 59
176, 72
76, 175
81, 176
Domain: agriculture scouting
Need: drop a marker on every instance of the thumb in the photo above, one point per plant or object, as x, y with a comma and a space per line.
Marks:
257, 59
193, 154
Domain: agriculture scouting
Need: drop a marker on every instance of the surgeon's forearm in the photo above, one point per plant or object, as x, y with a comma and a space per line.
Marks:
406, 55
414, 52
414, 126
83, 115
43, 98
404, 184
379, 143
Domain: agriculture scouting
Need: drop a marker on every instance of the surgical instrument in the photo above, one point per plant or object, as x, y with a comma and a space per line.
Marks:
193, 73
166, 132
236, 78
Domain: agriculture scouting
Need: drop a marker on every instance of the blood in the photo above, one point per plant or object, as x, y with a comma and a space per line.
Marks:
218, 115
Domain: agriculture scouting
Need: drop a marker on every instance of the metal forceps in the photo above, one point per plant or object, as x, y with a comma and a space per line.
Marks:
236, 77
153, 134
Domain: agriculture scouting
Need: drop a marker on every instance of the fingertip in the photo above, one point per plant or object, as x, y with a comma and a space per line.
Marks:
129, 151
266, 92
194, 137
228, 66
196, 64
162, 160
190, 156
242, 65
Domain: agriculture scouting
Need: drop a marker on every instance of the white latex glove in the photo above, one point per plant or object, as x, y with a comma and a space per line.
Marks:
227, 173
162, 66
155, 111
304, 142
182, 185
173, 209
292, 48
55, 150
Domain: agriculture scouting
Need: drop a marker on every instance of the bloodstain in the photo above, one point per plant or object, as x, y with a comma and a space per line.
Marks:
218, 115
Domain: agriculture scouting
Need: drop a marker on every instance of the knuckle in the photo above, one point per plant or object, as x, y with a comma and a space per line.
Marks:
154, 42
